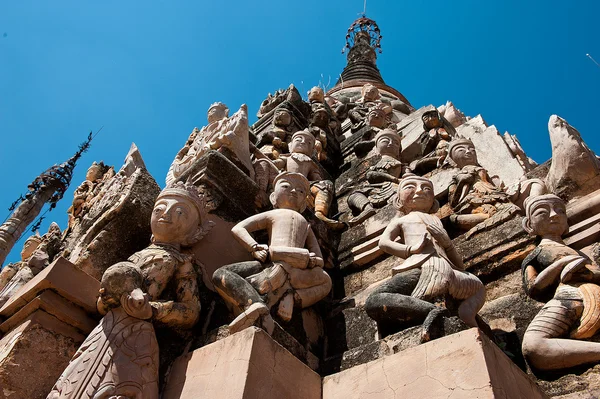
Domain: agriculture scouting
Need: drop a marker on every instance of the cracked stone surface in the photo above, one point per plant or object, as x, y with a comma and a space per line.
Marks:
246, 365
463, 365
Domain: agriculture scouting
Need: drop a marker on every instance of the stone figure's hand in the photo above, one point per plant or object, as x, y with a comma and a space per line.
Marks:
314, 261
440, 235
417, 249
261, 252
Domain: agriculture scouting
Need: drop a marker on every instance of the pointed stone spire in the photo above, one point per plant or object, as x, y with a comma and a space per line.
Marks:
363, 41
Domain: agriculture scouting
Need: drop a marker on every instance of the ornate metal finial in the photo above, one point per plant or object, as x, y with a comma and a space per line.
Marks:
363, 32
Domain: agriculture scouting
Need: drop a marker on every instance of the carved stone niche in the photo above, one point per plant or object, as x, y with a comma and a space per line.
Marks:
118, 223
41, 328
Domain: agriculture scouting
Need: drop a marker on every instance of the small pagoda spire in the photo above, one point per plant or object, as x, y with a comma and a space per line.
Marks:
363, 42
49, 187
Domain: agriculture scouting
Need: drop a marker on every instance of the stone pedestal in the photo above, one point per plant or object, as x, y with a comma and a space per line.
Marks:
248, 365
43, 325
463, 365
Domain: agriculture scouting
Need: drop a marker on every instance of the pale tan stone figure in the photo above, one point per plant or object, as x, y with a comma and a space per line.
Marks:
288, 271
370, 99
221, 131
119, 359
282, 129
432, 267
383, 178
9, 271
299, 161
170, 280
39, 257
569, 281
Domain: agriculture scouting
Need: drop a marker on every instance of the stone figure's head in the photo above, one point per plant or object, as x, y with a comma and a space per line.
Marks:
388, 142
545, 216
370, 93
122, 285
431, 119
320, 117
462, 152
95, 171
316, 95
441, 149
179, 216
303, 142
282, 117
31, 244
415, 193
290, 191
216, 112
377, 117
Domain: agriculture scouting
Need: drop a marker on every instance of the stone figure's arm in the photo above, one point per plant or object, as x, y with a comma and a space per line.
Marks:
185, 310
314, 174
376, 176
388, 243
242, 230
313, 246
442, 238
280, 163
536, 283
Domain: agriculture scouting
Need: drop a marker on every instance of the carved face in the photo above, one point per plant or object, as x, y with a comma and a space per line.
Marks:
548, 218
370, 93
216, 113
94, 172
282, 117
464, 154
389, 145
30, 245
416, 195
303, 144
289, 194
316, 95
320, 118
432, 120
376, 118
174, 220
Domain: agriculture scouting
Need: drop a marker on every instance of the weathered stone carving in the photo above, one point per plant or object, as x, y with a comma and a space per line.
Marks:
170, 280
119, 359
370, 98
452, 114
273, 100
86, 194
221, 132
573, 163
9, 271
275, 141
293, 276
434, 132
568, 280
383, 178
300, 161
39, 257
432, 268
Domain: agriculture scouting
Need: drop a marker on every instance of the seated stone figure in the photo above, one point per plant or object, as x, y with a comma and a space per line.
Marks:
569, 281
383, 178
434, 132
288, 271
275, 141
170, 280
432, 267
370, 98
119, 359
84, 195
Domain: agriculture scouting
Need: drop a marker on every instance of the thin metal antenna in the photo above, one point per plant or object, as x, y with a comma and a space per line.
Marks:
365, 9
590, 57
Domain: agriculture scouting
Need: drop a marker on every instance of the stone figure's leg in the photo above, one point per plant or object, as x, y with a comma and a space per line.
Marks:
360, 206
467, 222
311, 285
230, 283
542, 346
323, 192
468, 287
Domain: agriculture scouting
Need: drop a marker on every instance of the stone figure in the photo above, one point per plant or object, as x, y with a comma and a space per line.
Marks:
569, 281
119, 359
434, 132
85, 195
370, 98
221, 132
431, 161
319, 127
39, 258
275, 142
299, 160
288, 271
9, 271
335, 110
383, 178
573, 163
432, 267
170, 280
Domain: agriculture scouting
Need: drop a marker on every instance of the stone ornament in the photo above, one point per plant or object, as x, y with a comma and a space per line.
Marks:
287, 272
383, 178
119, 359
569, 281
432, 267
222, 132
38, 252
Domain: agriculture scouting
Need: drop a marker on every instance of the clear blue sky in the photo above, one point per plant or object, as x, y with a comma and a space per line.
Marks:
147, 71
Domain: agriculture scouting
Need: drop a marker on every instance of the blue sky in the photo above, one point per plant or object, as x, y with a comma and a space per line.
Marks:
147, 71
